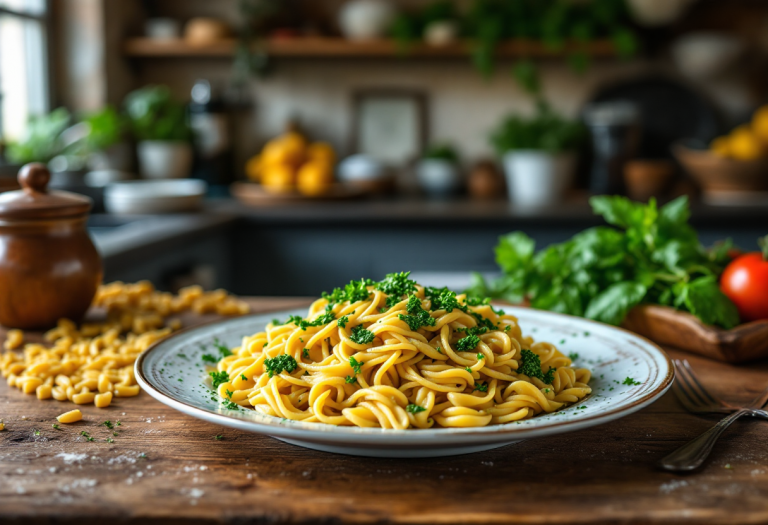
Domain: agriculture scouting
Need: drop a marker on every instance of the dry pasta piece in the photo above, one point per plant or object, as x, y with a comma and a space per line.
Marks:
2, 425
14, 339
103, 400
73, 416
44, 392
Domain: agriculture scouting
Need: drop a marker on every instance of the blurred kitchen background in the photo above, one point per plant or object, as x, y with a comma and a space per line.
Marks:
283, 147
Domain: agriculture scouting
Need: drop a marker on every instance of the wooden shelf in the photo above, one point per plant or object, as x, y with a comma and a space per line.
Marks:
327, 47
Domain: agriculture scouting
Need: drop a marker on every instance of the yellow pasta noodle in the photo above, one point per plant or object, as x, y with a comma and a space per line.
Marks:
73, 416
94, 362
396, 355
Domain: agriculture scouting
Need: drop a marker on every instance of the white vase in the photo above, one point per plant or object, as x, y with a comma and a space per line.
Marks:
365, 19
438, 177
164, 159
537, 178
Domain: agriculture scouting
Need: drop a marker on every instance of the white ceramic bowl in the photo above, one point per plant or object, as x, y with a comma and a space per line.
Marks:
154, 196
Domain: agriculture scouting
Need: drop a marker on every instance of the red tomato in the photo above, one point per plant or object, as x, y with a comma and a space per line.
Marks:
745, 282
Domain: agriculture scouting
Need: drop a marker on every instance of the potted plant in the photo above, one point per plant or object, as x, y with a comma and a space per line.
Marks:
103, 140
539, 155
42, 140
160, 126
438, 170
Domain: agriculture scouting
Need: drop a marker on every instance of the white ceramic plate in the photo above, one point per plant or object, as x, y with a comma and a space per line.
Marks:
173, 373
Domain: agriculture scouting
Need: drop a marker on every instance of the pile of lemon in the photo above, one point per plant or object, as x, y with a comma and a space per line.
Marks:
746, 142
290, 162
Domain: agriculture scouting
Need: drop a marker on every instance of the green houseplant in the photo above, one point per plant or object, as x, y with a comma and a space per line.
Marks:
42, 140
160, 126
539, 155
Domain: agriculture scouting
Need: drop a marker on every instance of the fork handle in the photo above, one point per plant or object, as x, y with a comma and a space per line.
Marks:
691, 455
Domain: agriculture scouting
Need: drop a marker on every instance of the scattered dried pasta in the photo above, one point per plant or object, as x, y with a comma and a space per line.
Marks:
14, 339
93, 363
73, 416
2, 425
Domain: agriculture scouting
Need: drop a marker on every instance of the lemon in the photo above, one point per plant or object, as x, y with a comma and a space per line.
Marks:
278, 178
721, 146
315, 178
760, 123
321, 151
744, 144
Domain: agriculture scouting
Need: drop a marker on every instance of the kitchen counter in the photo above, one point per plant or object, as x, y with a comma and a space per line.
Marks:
165, 467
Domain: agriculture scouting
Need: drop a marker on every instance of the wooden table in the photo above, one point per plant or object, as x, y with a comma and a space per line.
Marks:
165, 467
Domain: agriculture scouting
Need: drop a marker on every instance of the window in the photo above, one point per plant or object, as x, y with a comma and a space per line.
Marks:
23, 64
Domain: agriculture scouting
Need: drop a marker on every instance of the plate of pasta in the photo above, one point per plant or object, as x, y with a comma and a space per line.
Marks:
395, 369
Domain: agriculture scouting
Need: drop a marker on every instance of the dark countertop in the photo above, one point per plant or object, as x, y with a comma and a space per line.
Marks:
409, 209
120, 235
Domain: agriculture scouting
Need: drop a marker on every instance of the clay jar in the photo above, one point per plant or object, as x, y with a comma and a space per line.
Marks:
49, 267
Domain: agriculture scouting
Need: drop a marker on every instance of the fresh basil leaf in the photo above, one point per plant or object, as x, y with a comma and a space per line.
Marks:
703, 298
613, 304
676, 256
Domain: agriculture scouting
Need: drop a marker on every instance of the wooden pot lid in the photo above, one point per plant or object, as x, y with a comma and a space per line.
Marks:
36, 201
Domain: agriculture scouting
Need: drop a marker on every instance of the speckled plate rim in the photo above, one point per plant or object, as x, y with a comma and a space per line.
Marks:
439, 437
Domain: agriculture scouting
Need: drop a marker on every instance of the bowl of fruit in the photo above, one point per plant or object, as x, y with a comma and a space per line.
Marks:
733, 168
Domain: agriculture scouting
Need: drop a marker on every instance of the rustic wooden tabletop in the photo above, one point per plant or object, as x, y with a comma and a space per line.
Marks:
165, 467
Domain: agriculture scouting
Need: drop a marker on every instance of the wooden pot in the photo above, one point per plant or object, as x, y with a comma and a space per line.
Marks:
49, 267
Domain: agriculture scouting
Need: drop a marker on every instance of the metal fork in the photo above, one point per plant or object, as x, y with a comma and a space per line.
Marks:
692, 455
697, 399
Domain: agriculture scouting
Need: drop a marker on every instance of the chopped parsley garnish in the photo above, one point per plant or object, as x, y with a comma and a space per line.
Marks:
37, 432
396, 285
218, 437
418, 316
483, 321
443, 299
631, 382
229, 393
110, 440
276, 365
482, 387
468, 369
223, 350
356, 365
350, 379
343, 320
439, 351
219, 378
142, 456
414, 409
549, 377
530, 365
231, 405
480, 356
573, 356
321, 320
86, 435
361, 336
108, 424
183, 356
57, 427
208, 358
468, 343
117, 423
353, 292
305, 353
242, 376
474, 330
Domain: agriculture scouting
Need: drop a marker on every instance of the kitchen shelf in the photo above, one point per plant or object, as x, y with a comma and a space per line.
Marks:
329, 47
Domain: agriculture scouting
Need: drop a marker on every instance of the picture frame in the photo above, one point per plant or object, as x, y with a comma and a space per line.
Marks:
390, 124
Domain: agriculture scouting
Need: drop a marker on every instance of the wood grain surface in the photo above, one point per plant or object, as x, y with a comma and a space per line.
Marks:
165, 467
